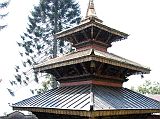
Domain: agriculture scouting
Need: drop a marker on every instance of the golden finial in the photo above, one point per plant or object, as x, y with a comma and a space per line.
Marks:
91, 10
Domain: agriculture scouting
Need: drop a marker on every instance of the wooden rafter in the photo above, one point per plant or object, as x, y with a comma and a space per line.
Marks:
106, 69
56, 71
84, 33
74, 38
99, 68
71, 71
62, 71
67, 39
98, 33
114, 38
84, 68
119, 73
92, 32
94, 76
109, 37
76, 69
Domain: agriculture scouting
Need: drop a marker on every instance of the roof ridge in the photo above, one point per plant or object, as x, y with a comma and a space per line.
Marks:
91, 98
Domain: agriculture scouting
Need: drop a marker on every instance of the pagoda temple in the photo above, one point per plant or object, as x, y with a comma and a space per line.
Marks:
90, 78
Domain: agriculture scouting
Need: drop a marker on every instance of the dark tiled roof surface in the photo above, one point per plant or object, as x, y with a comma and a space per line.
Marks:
83, 97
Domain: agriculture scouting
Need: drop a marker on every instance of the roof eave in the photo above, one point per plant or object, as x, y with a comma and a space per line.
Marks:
88, 24
41, 68
88, 113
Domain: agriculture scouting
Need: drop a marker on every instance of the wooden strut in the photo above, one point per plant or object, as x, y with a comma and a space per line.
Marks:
86, 71
109, 37
92, 32
98, 34
121, 72
57, 72
74, 38
100, 66
75, 68
69, 39
84, 33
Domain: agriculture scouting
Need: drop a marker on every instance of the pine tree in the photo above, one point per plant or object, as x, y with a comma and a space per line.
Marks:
39, 42
2, 15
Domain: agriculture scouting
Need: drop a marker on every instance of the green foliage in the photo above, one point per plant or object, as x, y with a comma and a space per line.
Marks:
46, 85
39, 38
39, 42
2, 15
149, 88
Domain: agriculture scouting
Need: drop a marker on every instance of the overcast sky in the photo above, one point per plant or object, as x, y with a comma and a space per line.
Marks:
139, 18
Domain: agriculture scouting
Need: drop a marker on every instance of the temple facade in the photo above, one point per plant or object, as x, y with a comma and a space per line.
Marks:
90, 78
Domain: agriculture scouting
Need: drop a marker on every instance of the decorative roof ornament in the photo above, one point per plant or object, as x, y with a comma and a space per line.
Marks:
91, 10
91, 14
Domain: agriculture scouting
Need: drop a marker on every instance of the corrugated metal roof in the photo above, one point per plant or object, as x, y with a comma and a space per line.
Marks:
154, 96
84, 96
83, 56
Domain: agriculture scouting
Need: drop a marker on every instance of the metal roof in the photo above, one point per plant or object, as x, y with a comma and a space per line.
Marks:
92, 21
87, 55
86, 96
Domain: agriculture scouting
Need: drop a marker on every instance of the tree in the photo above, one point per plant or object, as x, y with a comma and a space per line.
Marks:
46, 85
149, 88
39, 42
2, 15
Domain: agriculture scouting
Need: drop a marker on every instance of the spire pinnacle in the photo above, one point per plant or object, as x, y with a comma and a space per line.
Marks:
91, 14
91, 10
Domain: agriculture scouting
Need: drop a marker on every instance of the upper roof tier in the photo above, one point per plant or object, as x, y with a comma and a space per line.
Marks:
91, 29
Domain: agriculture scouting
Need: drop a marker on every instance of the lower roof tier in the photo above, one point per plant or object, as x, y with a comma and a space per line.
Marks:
91, 55
86, 98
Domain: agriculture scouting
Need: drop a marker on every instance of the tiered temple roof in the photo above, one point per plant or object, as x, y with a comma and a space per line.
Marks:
91, 78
